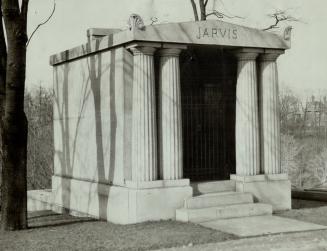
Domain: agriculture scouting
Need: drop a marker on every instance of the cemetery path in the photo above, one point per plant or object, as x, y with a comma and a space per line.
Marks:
304, 241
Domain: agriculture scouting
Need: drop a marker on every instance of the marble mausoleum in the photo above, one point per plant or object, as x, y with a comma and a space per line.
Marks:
144, 118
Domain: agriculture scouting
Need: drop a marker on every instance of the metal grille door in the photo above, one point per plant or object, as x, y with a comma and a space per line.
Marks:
206, 125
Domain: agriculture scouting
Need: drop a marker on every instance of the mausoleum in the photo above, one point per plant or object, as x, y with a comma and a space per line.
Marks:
176, 120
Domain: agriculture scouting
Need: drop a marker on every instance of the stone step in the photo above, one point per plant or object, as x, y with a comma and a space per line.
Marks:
222, 212
218, 199
213, 186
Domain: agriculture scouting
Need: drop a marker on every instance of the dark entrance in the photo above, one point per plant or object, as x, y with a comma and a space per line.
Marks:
208, 81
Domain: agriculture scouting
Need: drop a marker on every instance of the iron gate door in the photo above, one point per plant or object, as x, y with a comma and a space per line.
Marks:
208, 106
203, 135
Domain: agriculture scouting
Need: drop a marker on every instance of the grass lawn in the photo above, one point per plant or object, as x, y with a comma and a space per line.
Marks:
305, 210
49, 231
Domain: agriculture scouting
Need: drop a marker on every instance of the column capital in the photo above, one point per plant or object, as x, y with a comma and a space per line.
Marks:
143, 50
171, 52
270, 55
245, 54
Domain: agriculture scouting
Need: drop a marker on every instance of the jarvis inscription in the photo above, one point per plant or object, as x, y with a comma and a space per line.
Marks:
227, 33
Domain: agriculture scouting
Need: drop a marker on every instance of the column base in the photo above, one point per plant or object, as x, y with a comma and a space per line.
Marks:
133, 203
274, 189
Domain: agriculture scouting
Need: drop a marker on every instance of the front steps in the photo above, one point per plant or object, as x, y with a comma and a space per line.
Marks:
213, 187
219, 201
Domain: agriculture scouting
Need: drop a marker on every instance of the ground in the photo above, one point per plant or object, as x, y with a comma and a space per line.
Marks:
304, 241
49, 231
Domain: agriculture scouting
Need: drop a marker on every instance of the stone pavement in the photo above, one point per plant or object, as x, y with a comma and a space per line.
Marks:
260, 225
302, 241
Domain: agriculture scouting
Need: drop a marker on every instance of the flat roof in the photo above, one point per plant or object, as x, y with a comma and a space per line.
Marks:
209, 32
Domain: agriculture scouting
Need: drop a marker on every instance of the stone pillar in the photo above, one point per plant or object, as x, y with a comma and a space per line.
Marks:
269, 113
247, 127
170, 117
144, 133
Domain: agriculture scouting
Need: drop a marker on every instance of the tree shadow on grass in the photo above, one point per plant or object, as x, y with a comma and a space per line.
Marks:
46, 219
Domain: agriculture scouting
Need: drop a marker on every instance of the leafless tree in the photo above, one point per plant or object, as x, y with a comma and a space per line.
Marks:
205, 13
291, 110
38, 109
280, 16
13, 121
42, 23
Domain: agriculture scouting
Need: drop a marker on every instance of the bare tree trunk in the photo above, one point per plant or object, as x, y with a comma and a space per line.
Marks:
195, 11
14, 122
3, 64
203, 9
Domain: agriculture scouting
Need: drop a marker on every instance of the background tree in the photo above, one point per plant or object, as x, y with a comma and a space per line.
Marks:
40, 149
278, 16
290, 110
205, 13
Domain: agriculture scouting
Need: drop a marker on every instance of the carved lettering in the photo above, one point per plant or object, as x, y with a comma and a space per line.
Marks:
216, 32
199, 34
234, 34
205, 33
222, 32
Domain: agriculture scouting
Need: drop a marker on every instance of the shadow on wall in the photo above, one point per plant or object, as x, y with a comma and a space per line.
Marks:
67, 152
95, 73
63, 154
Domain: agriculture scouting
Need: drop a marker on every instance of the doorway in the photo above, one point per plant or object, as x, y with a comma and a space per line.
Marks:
208, 87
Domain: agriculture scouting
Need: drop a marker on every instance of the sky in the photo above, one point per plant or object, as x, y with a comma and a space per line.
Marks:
302, 68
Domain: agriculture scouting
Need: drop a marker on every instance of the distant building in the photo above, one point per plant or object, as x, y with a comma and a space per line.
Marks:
315, 116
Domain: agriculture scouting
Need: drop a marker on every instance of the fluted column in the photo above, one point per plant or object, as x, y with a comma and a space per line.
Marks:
269, 109
170, 120
144, 133
247, 128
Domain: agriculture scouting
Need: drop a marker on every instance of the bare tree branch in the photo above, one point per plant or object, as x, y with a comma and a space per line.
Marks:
43, 23
219, 14
216, 14
203, 11
280, 16
196, 16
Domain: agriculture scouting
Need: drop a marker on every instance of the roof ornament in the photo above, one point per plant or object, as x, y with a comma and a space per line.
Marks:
287, 33
135, 22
